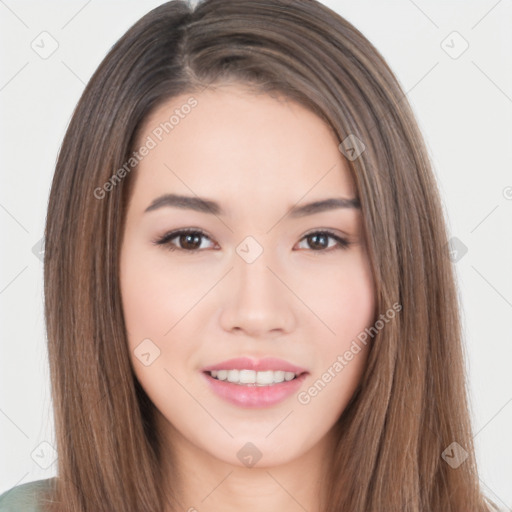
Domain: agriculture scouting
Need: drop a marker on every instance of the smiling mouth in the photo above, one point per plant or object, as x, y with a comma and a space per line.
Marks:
252, 377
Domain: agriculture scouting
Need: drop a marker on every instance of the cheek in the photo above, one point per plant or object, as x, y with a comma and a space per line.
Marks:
343, 298
155, 295
347, 306
355, 305
144, 305
155, 300
151, 309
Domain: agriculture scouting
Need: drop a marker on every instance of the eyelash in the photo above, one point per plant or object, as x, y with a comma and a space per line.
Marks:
165, 240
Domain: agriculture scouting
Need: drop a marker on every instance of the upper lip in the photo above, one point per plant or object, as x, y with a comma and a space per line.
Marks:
258, 365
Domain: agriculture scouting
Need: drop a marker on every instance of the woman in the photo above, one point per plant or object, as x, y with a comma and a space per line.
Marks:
249, 299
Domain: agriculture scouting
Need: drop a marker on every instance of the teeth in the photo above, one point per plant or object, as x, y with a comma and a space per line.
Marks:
265, 378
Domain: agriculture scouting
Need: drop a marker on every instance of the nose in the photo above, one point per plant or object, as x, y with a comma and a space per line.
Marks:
257, 299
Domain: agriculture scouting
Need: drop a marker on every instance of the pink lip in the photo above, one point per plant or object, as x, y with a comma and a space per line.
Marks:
261, 365
252, 396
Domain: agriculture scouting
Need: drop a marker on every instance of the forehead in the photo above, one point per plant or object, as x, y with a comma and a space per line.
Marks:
231, 143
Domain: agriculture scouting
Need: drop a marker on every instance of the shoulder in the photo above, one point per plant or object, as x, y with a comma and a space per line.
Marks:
26, 497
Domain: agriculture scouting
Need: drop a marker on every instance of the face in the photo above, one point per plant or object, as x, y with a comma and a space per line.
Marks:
287, 291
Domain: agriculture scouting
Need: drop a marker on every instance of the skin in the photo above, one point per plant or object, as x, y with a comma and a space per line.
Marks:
301, 300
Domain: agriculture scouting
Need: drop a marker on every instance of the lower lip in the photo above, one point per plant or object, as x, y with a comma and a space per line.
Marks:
253, 395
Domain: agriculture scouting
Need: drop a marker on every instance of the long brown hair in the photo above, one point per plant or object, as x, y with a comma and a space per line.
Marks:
411, 404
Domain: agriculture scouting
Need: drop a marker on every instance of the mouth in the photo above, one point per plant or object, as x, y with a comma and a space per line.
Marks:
246, 377
248, 382
251, 389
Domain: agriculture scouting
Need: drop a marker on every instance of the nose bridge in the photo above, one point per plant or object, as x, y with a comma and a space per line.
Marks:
253, 260
259, 301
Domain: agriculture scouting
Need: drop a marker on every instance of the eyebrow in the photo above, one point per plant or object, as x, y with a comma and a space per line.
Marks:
203, 205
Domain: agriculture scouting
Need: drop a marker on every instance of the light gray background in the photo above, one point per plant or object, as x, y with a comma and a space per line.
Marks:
464, 107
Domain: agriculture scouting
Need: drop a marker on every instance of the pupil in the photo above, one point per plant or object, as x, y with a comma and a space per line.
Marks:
316, 237
187, 238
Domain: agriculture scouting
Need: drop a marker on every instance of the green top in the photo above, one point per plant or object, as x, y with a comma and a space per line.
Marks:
25, 497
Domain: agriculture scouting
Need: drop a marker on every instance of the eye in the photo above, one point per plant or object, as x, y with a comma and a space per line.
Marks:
189, 240
319, 239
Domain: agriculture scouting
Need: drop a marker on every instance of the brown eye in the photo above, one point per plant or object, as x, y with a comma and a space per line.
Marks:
319, 241
188, 240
